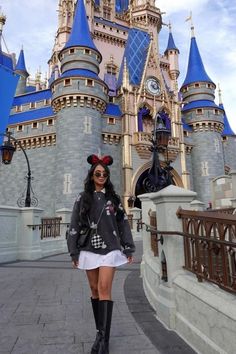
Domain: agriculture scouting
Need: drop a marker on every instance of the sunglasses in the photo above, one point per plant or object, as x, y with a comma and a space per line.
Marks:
101, 174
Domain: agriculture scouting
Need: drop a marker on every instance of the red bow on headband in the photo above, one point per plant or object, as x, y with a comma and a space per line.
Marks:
94, 159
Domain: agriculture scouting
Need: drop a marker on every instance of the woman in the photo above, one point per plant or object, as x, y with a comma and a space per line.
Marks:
99, 208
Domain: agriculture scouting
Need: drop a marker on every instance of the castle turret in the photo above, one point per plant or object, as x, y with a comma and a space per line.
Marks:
21, 70
229, 141
206, 119
172, 54
65, 21
79, 98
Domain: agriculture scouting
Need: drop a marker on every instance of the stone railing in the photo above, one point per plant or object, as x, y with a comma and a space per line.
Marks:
184, 247
23, 236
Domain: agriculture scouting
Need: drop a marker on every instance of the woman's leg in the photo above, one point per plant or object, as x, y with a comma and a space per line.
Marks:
92, 276
105, 279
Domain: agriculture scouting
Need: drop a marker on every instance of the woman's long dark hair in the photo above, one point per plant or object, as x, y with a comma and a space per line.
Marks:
89, 188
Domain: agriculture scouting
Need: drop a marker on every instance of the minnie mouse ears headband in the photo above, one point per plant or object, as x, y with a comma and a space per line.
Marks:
94, 159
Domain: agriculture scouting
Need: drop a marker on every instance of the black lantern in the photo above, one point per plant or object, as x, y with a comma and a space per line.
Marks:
7, 150
158, 176
162, 131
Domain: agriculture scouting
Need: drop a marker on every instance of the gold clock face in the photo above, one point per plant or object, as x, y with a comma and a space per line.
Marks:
153, 86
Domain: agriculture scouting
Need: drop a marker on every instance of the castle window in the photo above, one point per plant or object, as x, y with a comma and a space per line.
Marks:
34, 125
87, 51
71, 51
89, 82
20, 128
111, 99
18, 108
186, 133
197, 85
209, 85
118, 31
50, 121
32, 105
199, 111
111, 120
67, 82
124, 33
47, 102
53, 89
217, 112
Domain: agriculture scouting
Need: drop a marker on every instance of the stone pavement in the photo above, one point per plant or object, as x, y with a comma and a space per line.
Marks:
45, 308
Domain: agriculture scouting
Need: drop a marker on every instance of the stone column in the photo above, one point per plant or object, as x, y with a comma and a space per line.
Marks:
28, 237
65, 215
171, 252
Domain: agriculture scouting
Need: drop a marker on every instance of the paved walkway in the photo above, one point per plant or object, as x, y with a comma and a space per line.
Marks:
45, 308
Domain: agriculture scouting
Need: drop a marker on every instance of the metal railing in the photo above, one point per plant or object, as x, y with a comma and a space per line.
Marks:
209, 245
50, 227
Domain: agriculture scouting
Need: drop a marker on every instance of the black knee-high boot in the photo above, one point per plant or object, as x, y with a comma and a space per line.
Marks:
105, 315
95, 306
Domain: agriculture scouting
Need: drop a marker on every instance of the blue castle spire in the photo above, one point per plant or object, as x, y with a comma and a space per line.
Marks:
196, 71
80, 34
227, 128
171, 43
20, 66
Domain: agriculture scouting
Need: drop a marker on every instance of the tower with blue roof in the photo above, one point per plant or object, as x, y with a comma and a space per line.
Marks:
206, 119
228, 139
22, 71
79, 98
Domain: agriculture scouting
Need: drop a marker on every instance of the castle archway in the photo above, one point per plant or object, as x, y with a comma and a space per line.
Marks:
140, 176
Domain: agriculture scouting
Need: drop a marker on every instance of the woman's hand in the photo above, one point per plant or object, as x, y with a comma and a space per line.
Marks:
130, 259
75, 264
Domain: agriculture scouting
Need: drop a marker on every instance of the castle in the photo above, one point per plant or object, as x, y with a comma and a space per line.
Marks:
107, 81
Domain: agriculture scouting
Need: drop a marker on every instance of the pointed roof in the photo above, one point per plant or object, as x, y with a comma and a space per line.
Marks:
171, 43
196, 71
20, 66
227, 128
80, 34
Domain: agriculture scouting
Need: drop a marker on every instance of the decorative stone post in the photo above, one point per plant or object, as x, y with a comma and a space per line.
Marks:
197, 205
158, 279
65, 215
28, 237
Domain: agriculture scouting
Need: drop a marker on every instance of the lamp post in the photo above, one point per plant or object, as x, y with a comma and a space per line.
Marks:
7, 151
159, 177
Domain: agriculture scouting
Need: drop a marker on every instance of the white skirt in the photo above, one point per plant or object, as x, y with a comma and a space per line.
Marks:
89, 260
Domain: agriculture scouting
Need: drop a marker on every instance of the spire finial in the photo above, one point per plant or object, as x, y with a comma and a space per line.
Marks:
190, 18
2, 20
220, 95
2, 23
169, 25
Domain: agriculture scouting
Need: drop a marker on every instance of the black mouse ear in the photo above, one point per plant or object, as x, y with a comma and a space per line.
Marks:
92, 159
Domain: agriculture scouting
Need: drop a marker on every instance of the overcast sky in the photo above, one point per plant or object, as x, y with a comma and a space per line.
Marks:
33, 24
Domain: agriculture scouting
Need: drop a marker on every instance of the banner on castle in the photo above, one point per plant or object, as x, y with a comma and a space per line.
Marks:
8, 82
